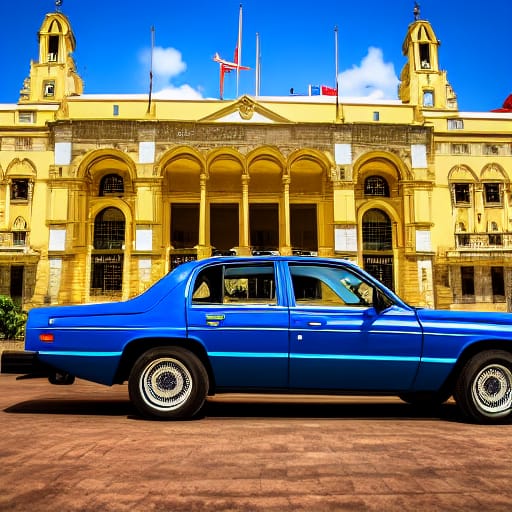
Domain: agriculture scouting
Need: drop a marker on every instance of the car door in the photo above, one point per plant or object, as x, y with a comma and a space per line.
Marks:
238, 313
338, 339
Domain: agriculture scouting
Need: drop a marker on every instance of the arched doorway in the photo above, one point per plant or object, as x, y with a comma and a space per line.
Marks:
378, 246
108, 249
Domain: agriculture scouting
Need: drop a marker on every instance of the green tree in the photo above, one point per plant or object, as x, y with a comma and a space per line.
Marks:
12, 319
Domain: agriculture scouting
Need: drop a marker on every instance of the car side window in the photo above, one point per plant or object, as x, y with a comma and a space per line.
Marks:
316, 285
252, 284
208, 286
235, 284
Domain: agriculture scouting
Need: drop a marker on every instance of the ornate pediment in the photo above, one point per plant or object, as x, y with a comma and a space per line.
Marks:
245, 110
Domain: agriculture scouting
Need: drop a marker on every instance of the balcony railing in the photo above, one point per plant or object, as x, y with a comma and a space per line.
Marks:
494, 246
487, 241
10, 242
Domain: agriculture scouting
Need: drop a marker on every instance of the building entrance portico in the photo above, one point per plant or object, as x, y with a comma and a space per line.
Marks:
246, 204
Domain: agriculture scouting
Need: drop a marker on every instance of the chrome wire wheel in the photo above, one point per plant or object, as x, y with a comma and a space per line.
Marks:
165, 384
492, 389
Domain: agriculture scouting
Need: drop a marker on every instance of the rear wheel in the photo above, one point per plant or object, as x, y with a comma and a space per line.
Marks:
484, 387
168, 383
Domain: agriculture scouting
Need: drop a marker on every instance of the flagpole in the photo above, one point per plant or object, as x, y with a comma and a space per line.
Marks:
239, 50
257, 74
336, 68
151, 68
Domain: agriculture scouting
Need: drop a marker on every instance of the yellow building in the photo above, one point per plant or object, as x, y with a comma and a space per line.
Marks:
102, 195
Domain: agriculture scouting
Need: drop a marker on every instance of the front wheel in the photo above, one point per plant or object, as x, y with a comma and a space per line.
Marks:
168, 383
484, 387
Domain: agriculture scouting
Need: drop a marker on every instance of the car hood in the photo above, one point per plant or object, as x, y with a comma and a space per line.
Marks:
477, 319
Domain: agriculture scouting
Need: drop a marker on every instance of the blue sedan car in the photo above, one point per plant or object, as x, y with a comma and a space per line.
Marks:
273, 324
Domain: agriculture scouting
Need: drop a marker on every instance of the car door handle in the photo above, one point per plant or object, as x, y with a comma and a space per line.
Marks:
215, 317
214, 320
315, 324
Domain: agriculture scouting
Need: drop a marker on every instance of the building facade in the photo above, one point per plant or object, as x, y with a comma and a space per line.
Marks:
101, 195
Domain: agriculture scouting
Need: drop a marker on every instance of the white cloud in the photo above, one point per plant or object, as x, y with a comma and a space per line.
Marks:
167, 65
167, 62
373, 79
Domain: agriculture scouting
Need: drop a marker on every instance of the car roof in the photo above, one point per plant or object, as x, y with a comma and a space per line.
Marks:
272, 258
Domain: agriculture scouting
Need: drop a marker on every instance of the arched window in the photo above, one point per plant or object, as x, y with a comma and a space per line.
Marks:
376, 186
111, 184
109, 228
19, 231
378, 245
107, 267
377, 233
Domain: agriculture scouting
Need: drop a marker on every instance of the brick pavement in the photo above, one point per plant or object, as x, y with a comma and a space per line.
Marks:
80, 448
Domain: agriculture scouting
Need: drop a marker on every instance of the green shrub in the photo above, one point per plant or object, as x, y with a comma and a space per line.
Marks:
12, 319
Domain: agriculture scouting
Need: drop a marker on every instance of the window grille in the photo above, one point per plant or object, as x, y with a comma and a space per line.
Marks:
376, 186
111, 184
107, 277
109, 229
377, 233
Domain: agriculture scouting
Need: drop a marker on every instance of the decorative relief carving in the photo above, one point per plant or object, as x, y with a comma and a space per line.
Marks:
243, 137
246, 109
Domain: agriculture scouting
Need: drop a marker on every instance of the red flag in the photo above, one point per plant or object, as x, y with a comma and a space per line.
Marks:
328, 91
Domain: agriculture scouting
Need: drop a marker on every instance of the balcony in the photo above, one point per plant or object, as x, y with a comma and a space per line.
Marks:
12, 242
481, 245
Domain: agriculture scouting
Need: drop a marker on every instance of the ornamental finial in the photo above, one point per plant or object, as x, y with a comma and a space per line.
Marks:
416, 11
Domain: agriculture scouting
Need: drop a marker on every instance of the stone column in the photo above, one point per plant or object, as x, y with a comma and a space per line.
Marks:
286, 249
202, 212
244, 239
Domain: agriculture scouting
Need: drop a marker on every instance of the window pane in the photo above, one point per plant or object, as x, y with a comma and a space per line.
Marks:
208, 286
109, 227
19, 189
249, 284
461, 193
377, 234
315, 285
492, 193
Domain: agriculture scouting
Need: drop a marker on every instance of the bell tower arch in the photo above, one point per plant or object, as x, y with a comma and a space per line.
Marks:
423, 83
53, 77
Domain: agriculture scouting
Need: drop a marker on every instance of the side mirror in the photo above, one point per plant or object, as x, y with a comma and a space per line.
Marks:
379, 302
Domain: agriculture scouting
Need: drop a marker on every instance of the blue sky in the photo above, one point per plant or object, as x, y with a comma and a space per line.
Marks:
296, 45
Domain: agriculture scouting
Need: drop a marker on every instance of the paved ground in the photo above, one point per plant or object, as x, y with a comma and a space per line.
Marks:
81, 448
